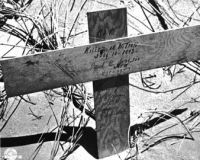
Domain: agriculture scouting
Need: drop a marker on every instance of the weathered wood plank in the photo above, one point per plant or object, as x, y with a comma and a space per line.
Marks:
101, 60
111, 95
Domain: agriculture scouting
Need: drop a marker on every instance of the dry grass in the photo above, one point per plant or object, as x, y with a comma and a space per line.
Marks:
52, 28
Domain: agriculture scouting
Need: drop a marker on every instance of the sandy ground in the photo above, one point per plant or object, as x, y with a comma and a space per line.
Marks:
141, 102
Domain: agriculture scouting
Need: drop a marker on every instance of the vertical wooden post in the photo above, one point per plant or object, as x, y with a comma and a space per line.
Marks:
111, 96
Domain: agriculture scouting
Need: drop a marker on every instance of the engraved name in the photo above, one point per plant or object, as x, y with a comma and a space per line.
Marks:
123, 48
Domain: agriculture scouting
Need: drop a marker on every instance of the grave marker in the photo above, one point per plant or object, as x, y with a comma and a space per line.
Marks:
101, 60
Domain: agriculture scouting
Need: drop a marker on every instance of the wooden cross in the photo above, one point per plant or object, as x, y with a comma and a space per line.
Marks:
106, 63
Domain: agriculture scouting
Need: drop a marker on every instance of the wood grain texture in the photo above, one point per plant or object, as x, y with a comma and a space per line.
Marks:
100, 60
111, 95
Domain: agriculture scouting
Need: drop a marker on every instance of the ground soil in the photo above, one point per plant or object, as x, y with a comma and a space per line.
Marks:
142, 104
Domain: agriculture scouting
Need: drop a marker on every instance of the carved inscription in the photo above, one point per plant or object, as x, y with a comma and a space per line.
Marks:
123, 49
103, 57
107, 114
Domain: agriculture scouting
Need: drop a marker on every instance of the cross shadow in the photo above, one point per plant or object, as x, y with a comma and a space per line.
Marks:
155, 121
88, 139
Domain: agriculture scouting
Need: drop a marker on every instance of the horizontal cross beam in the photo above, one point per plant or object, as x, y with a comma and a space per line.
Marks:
100, 60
